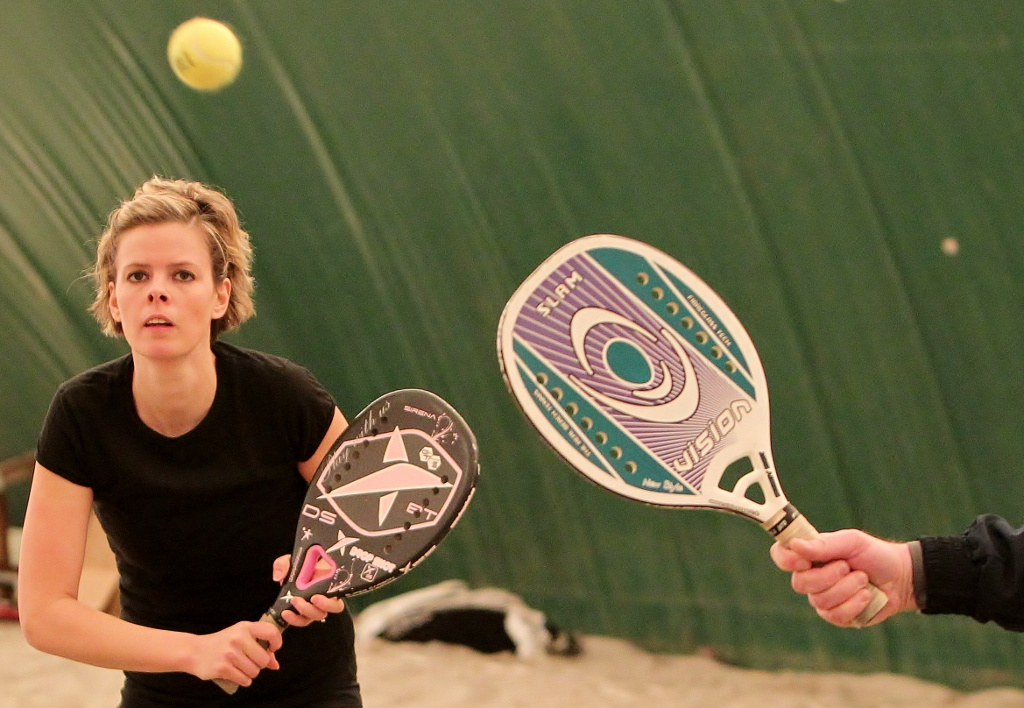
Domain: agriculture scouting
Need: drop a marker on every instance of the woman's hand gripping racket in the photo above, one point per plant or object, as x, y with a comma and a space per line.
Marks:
385, 495
642, 378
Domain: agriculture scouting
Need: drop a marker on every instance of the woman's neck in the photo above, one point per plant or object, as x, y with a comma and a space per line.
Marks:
173, 396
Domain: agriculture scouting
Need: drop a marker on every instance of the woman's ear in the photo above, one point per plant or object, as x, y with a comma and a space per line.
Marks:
115, 310
223, 298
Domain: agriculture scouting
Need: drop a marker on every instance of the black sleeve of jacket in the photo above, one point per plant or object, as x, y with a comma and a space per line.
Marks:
979, 574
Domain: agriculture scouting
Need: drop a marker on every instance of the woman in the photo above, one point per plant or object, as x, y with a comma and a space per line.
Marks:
195, 455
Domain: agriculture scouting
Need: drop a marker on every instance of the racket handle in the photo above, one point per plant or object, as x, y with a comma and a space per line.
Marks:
789, 524
230, 687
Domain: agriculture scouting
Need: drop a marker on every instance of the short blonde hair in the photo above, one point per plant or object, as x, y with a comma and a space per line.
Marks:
158, 201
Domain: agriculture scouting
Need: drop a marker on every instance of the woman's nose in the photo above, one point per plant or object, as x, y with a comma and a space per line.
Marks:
157, 294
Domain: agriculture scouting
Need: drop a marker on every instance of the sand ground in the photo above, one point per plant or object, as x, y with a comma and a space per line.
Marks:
609, 673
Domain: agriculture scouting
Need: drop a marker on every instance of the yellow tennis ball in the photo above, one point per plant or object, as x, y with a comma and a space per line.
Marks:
205, 54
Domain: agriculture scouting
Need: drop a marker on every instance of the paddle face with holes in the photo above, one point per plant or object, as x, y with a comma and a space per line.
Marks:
390, 488
640, 376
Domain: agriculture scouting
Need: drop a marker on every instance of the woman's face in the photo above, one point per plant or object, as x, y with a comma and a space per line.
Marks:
164, 294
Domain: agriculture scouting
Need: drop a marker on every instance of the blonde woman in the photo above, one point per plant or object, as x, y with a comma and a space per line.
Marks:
195, 455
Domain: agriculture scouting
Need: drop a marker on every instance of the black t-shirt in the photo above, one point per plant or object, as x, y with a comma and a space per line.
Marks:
196, 521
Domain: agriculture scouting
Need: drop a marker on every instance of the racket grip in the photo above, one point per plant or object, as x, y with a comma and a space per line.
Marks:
789, 524
230, 687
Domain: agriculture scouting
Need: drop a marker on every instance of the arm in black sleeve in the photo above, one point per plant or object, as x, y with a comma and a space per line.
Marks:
979, 574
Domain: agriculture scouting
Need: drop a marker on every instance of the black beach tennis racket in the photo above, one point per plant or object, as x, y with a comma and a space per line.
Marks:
636, 372
387, 492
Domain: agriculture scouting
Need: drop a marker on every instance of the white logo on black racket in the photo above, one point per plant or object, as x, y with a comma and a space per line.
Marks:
393, 486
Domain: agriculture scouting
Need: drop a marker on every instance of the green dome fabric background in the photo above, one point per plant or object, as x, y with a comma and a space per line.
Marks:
847, 175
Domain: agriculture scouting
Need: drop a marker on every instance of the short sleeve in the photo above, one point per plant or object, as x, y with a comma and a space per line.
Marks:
312, 411
59, 446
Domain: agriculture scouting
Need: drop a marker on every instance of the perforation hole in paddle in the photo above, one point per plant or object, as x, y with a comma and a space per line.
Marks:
317, 566
734, 472
755, 494
732, 475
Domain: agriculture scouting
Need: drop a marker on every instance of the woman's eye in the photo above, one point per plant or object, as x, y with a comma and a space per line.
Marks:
136, 276
185, 275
